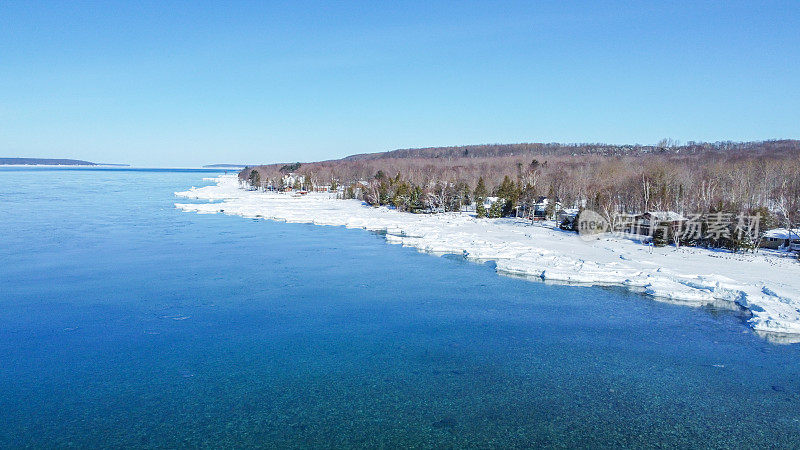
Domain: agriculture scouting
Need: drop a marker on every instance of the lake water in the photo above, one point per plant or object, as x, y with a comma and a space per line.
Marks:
125, 322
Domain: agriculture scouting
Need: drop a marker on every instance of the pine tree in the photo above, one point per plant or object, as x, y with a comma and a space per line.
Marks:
480, 210
480, 191
480, 195
661, 235
255, 179
496, 210
509, 192
462, 193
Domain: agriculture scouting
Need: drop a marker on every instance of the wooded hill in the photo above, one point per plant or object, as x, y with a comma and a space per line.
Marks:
739, 177
555, 149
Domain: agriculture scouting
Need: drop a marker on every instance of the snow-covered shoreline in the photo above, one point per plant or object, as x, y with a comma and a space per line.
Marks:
768, 286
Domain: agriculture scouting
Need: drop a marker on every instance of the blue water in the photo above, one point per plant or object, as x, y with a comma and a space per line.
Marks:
125, 322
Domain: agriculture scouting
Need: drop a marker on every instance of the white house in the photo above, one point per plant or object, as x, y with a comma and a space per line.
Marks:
290, 179
489, 201
541, 205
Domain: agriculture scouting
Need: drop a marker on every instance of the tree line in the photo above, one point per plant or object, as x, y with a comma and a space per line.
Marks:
751, 177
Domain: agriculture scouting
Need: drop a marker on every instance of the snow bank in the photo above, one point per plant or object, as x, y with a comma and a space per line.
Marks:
766, 285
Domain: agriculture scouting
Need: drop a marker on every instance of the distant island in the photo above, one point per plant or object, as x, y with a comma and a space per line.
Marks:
51, 162
232, 166
45, 161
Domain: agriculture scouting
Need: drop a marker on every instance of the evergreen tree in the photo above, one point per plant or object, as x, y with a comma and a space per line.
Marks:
767, 220
383, 193
662, 236
402, 196
254, 179
509, 192
467, 194
416, 204
461, 195
496, 210
480, 195
480, 191
480, 210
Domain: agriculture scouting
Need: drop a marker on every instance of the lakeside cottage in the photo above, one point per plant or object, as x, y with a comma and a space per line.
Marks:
568, 213
489, 201
541, 206
646, 223
566, 218
781, 238
291, 179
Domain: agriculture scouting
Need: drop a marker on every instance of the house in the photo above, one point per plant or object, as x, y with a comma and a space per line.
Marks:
359, 188
541, 206
647, 223
290, 179
489, 201
566, 218
568, 213
781, 238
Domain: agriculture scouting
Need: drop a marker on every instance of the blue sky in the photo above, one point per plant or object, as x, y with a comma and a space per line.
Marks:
188, 83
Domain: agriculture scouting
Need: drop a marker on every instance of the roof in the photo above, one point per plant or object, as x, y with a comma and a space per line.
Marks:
569, 212
783, 233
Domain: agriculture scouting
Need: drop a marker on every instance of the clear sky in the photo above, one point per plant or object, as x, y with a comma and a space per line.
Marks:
189, 83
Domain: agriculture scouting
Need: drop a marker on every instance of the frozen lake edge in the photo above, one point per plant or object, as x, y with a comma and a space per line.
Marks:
765, 285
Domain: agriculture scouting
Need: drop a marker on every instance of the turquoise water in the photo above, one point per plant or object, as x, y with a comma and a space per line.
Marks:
125, 323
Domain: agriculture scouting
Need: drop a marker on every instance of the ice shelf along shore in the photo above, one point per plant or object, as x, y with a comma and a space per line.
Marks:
766, 285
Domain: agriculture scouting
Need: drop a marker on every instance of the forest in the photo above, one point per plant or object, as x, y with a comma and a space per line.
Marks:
755, 178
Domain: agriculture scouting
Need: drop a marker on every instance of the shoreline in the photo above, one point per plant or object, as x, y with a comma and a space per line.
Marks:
766, 285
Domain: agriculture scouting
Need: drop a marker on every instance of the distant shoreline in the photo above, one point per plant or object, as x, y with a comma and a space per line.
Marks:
108, 168
53, 162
